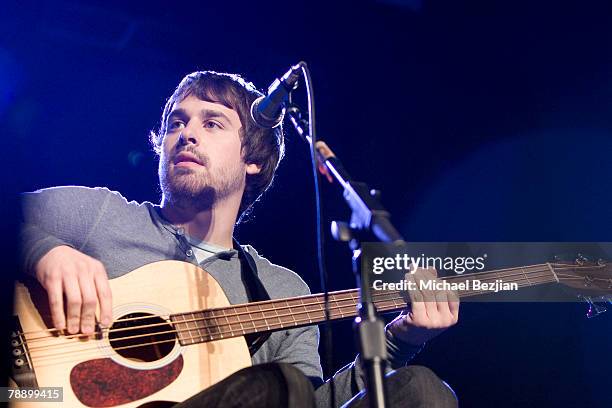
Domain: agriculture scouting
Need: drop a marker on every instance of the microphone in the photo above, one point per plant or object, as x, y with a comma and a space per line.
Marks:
268, 111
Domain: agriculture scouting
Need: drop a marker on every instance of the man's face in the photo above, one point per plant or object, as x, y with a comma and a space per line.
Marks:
201, 159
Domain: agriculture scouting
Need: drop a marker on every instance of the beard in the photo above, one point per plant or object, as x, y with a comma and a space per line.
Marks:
197, 188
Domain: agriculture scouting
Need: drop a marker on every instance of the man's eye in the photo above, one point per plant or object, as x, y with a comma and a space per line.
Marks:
175, 124
211, 124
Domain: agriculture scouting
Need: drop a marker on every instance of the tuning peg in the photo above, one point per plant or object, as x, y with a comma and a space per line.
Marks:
604, 299
594, 308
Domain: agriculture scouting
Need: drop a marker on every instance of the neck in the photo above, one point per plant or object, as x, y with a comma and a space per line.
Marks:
214, 225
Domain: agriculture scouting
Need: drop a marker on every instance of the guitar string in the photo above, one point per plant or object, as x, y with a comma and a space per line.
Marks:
390, 294
222, 308
337, 293
232, 333
210, 337
352, 298
384, 297
109, 348
379, 299
221, 333
309, 297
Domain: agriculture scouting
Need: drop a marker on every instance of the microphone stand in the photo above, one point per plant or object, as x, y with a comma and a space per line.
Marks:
368, 215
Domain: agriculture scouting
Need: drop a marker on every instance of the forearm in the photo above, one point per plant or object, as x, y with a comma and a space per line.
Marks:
34, 244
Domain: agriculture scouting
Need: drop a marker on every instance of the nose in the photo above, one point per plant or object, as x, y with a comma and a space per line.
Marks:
188, 136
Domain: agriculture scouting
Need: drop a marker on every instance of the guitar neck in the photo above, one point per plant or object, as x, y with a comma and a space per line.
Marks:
271, 315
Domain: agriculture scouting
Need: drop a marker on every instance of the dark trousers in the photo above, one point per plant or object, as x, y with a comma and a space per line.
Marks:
412, 387
282, 385
261, 386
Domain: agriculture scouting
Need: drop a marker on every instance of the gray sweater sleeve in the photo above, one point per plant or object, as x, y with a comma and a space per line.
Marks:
58, 216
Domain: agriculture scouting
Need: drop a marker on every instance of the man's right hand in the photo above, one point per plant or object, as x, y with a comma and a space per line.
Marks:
82, 280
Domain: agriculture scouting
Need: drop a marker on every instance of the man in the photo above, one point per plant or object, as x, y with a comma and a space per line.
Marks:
214, 163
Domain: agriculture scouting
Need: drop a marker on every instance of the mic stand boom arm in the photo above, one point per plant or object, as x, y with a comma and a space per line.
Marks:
368, 214
367, 211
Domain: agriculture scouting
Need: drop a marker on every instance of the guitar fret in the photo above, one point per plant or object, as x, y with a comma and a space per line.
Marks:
526, 277
264, 317
552, 270
213, 325
332, 308
197, 322
201, 326
239, 320
283, 318
306, 310
227, 321
205, 319
177, 327
185, 330
278, 317
341, 312
251, 318
232, 320
318, 305
188, 329
292, 316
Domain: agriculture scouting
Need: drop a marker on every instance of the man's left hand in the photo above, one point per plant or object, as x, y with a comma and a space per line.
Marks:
429, 312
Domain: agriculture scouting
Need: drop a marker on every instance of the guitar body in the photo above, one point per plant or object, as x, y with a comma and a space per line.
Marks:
93, 373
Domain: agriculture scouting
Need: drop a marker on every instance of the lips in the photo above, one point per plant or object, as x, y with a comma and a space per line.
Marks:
186, 157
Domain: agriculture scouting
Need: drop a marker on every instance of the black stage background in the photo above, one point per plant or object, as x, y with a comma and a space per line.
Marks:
480, 121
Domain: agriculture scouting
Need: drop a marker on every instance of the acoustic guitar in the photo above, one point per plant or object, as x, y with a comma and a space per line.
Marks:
177, 334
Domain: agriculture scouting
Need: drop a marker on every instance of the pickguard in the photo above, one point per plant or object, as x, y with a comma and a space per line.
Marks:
104, 383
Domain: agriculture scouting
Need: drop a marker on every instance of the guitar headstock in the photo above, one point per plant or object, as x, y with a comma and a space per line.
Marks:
588, 276
592, 278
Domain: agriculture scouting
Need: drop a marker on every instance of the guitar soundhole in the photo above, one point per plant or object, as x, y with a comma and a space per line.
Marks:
142, 337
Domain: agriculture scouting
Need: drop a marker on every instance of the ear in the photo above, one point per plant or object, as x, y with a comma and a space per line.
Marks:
253, 169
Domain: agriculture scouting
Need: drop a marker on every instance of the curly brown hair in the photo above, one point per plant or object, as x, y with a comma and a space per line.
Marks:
264, 147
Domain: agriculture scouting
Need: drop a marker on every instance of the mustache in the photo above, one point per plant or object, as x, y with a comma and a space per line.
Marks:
199, 155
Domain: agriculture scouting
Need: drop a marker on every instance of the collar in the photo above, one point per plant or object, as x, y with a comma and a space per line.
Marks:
179, 232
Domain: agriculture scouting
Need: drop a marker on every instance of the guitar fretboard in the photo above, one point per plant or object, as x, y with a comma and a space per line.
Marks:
271, 315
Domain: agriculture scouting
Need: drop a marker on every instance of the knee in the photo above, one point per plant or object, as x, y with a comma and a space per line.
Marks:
287, 369
427, 386
294, 377
420, 374
298, 388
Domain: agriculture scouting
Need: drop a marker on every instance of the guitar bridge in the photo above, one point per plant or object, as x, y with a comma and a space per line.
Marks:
22, 372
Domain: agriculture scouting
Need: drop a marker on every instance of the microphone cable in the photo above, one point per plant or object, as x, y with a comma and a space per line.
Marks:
323, 276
